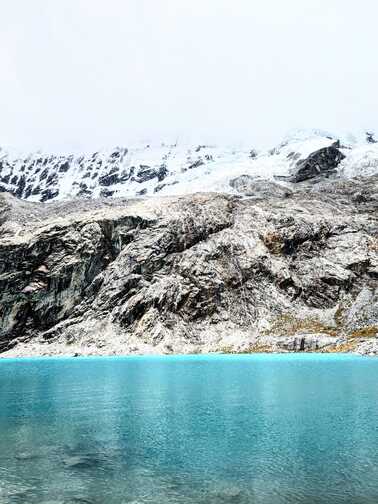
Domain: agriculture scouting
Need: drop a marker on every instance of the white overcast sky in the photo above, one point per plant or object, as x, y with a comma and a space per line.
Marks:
85, 74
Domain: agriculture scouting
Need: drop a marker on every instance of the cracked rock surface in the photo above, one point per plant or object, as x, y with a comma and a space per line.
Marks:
273, 269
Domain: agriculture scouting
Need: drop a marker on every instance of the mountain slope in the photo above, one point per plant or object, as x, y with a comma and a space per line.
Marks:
276, 271
279, 254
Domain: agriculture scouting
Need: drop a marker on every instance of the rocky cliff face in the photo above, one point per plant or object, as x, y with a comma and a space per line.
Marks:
269, 267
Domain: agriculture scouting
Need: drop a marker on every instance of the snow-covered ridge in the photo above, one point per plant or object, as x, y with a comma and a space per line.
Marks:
173, 169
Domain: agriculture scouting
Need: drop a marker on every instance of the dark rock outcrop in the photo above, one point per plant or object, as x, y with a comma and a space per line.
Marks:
146, 173
109, 179
106, 193
64, 167
196, 164
370, 138
49, 194
321, 162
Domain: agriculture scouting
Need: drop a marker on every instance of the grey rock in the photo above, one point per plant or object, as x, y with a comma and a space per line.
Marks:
306, 342
364, 310
250, 186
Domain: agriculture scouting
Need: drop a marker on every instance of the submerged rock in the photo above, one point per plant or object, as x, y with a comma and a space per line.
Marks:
54, 501
26, 456
80, 500
84, 461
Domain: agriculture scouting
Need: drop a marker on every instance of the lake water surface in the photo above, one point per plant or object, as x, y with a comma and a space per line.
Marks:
267, 429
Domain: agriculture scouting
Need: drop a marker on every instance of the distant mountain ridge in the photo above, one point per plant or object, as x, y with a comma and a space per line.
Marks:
175, 169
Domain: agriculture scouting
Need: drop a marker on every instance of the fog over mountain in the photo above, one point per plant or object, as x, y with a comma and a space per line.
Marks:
83, 75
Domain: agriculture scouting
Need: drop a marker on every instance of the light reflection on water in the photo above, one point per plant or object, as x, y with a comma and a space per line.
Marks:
220, 429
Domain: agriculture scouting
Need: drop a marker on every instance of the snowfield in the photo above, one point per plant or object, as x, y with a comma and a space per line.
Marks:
151, 170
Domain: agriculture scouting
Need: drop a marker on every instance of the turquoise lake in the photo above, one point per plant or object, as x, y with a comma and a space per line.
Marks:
267, 429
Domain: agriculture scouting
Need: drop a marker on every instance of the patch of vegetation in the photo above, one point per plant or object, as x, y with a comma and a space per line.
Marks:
228, 350
348, 346
339, 315
365, 332
273, 242
256, 348
259, 349
373, 245
288, 325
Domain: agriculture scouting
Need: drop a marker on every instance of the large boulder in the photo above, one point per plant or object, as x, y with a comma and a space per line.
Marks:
259, 188
321, 162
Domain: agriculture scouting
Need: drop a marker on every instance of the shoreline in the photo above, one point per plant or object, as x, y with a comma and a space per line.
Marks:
189, 355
